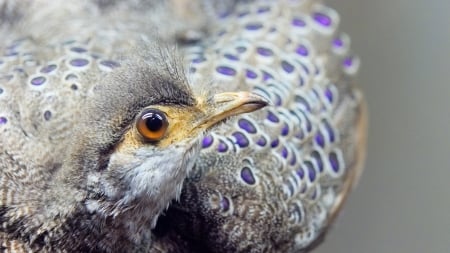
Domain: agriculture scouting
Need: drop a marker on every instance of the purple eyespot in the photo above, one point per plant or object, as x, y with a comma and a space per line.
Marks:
311, 171
264, 51
348, 62
48, 68
110, 64
285, 130
79, 62
261, 141
263, 9
289, 68
247, 176
247, 126
320, 140
267, 76
225, 204
241, 139
322, 19
272, 117
47, 115
338, 43
231, 57
3, 120
334, 162
253, 26
302, 50
275, 143
222, 147
300, 172
78, 50
39, 80
284, 152
329, 94
250, 74
316, 155
226, 70
207, 141
298, 22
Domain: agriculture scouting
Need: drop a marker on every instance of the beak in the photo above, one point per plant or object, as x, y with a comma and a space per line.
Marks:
225, 105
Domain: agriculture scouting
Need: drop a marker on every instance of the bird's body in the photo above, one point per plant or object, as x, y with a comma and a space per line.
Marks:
74, 172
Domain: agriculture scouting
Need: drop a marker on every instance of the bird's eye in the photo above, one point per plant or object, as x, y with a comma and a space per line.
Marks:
152, 124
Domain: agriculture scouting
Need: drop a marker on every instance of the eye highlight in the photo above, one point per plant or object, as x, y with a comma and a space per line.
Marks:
152, 124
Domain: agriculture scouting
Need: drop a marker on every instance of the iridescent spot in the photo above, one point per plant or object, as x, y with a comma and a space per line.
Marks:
225, 204
348, 62
316, 155
243, 14
79, 62
199, 60
322, 19
264, 51
47, 115
311, 171
241, 139
301, 82
231, 57
247, 176
241, 49
275, 143
272, 117
329, 94
39, 80
278, 100
48, 68
110, 64
338, 43
263, 9
330, 131
261, 141
320, 140
222, 147
74, 87
247, 126
334, 162
3, 120
289, 68
293, 160
250, 74
300, 172
207, 141
298, 22
302, 50
226, 70
284, 152
253, 26
285, 130
267, 76
78, 50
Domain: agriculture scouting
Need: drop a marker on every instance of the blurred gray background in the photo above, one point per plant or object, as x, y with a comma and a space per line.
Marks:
402, 204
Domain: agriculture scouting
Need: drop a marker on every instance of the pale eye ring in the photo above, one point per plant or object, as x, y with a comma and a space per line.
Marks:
152, 124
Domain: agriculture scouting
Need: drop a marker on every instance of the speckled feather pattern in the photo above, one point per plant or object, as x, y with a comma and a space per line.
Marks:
268, 181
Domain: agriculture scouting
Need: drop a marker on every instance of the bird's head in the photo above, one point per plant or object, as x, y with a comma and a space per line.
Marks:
141, 134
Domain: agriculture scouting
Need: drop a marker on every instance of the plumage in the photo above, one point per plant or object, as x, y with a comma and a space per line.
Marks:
77, 176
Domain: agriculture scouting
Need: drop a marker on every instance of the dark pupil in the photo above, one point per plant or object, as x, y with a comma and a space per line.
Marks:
154, 122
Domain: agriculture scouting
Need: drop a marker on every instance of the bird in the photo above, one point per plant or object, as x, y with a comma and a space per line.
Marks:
175, 126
